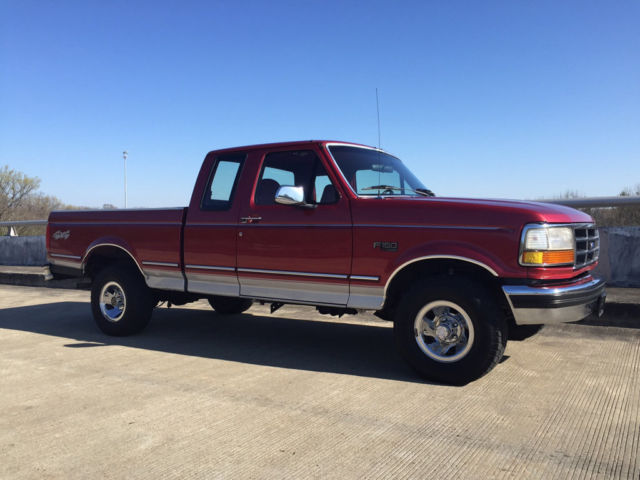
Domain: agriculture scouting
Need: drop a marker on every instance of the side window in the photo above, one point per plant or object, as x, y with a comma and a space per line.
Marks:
300, 168
283, 177
222, 182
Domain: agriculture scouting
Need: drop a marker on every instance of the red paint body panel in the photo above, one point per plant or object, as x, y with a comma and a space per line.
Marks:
149, 235
336, 240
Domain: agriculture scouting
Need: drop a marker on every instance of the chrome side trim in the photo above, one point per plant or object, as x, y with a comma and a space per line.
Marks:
433, 227
296, 225
115, 222
436, 257
66, 263
212, 284
296, 291
297, 274
160, 264
211, 267
288, 225
365, 278
211, 225
165, 279
60, 255
366, 297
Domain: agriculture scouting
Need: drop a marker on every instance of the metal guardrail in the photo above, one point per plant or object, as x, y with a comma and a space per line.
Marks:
19, 223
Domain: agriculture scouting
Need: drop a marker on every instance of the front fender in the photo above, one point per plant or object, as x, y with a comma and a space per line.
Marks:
446, 250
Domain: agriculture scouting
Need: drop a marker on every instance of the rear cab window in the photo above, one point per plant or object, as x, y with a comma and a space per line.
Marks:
222, 183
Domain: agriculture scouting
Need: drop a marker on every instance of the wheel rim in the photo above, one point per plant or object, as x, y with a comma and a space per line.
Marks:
443, 331
113, 302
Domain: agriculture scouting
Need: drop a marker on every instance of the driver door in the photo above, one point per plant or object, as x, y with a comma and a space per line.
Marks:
294, 253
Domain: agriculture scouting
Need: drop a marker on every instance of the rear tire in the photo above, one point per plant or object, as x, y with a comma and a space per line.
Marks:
450, 330
230, 305
121, 302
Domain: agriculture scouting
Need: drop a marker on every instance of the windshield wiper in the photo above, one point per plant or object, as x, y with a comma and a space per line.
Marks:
425, 192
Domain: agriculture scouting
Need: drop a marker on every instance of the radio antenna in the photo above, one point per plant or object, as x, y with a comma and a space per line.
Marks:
378, 111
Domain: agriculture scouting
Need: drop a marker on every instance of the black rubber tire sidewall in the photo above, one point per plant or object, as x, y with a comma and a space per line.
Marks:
488, 324
139, 300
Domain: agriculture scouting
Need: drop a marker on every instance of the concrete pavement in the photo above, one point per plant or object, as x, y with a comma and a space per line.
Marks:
299, 395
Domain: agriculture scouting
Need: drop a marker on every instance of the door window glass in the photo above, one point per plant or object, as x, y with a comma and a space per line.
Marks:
296, 168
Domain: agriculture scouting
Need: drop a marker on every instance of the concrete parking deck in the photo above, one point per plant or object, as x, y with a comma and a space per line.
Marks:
299, 395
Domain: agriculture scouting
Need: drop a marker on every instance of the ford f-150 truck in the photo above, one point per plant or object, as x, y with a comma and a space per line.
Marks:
345, 228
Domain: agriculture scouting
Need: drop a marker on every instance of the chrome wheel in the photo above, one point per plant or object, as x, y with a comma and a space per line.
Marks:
443, 331
113, 301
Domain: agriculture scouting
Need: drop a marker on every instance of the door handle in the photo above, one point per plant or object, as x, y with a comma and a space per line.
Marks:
250, 219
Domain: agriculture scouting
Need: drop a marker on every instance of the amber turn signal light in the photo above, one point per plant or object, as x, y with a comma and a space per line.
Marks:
550, 257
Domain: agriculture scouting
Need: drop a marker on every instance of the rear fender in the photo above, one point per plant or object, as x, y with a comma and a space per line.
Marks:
113, 242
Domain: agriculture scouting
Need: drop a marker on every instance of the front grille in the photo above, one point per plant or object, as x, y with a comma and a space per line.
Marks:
587, 245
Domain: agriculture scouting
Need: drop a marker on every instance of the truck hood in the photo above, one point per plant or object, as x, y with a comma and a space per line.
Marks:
474, 212
548, 212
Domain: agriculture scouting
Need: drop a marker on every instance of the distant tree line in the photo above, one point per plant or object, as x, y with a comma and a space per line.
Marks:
21, 200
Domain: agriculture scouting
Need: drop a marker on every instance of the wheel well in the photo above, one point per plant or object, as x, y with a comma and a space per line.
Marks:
412, 273
103, 257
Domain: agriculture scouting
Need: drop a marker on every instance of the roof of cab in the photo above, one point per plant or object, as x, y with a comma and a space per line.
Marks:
270, 146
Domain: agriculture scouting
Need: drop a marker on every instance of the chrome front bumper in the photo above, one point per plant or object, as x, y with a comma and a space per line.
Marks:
557, 304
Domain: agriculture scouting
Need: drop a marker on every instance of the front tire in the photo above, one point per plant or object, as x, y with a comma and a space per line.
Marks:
450, 330
121, 302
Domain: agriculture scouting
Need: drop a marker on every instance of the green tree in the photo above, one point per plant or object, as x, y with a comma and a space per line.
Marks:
15, 188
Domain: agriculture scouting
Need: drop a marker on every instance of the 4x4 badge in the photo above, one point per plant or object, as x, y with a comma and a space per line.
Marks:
59, 234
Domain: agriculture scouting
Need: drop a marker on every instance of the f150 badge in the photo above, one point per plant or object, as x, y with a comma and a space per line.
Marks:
386, 246
60, 235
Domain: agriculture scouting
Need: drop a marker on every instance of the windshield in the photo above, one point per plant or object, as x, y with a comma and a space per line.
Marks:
372, 172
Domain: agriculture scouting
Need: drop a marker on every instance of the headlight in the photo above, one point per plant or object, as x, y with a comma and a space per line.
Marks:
545, 245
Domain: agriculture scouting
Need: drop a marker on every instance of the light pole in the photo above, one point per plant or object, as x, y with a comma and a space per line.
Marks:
124, 156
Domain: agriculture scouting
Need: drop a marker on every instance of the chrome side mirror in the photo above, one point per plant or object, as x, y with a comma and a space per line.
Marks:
290, 195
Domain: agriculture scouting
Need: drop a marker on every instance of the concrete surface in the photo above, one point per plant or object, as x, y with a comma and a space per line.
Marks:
30, 251
299, 395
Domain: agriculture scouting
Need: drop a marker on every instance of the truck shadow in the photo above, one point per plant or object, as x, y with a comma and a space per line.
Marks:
321, 346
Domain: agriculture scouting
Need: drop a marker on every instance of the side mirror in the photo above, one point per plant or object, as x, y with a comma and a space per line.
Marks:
290, 195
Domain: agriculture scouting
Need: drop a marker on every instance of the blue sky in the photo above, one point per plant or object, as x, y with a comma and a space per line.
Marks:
510, 99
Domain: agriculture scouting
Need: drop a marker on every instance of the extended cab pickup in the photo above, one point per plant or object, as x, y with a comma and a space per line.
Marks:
345, 228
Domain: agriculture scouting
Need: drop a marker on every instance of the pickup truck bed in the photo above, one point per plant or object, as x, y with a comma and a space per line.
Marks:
152, 237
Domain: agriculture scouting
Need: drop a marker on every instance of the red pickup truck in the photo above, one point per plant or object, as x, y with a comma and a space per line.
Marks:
346, 228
